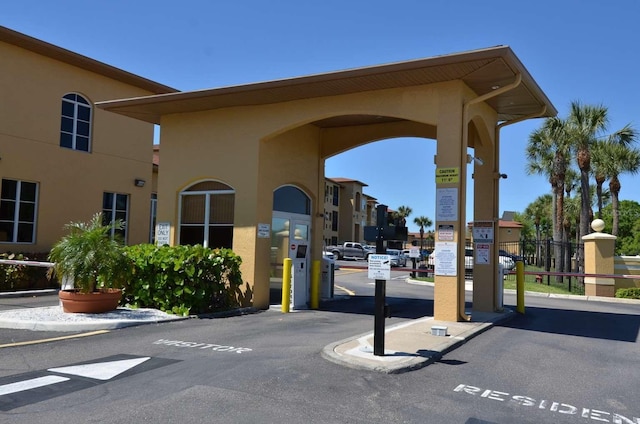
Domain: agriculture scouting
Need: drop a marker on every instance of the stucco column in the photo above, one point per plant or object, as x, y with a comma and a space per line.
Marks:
598, 259
449, 296
485, 211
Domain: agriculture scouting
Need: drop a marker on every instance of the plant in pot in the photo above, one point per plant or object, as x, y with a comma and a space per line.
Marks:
94, 260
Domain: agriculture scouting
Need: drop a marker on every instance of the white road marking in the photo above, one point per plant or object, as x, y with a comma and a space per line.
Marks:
34, 383
101, 370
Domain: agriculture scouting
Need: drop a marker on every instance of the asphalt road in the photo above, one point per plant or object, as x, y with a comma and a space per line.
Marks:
564, 361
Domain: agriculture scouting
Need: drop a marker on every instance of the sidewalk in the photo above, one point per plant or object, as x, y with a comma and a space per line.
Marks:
411, 345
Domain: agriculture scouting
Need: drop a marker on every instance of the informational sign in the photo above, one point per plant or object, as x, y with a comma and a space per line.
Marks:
483, 231
163, 233
446, 258
482, 253
445, 232
447, 204
414, 252
447, 175
379, 267
264, 231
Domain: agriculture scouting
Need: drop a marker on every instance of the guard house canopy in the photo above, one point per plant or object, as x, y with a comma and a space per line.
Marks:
239, 147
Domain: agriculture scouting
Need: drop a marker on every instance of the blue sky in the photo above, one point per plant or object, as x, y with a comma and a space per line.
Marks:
583, 50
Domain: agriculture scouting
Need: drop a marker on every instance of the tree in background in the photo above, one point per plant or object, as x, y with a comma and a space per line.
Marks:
402, 214
422, 222
613, 159
548, 152
539, 213
628, 241
585, 126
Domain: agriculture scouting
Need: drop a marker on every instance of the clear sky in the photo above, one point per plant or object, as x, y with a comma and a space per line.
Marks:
586, 50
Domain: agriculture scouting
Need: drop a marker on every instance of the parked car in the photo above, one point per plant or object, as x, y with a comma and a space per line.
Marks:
396, 257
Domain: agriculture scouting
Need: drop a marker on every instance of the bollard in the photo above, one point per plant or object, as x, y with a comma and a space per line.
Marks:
520, 287
315, 285
286, 285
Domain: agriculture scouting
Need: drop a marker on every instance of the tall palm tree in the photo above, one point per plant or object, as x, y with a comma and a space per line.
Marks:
586, 125
621, 159
548, 152
423, 222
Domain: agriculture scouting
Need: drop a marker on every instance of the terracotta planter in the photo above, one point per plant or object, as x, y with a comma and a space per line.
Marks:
98, 302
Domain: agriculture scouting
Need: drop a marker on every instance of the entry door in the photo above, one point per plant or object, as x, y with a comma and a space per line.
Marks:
290, 239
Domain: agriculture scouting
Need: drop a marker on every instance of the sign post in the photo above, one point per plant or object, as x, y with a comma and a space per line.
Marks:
379, 308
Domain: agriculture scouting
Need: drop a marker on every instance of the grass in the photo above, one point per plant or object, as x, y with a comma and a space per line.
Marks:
531, 285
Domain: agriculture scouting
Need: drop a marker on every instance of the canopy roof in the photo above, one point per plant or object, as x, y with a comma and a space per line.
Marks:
482, 70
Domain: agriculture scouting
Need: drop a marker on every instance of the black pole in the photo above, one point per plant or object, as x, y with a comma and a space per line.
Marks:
379, 308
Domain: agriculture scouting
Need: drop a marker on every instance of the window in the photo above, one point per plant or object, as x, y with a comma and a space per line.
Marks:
336, 199
358, 202
334, 222
207, 214
18, 206
115, 206
75, 126
153, 215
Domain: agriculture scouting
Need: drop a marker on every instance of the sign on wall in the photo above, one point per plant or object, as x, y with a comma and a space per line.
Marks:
163, 233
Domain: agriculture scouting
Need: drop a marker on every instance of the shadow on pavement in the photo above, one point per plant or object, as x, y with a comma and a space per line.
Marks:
599, 325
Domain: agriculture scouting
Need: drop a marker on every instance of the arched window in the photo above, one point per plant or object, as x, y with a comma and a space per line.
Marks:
206, 214
291, 199
75, 126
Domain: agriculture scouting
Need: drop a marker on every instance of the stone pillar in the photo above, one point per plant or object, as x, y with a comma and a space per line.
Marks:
598, 259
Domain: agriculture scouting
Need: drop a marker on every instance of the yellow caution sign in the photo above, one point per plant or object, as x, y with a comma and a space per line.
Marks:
447, 175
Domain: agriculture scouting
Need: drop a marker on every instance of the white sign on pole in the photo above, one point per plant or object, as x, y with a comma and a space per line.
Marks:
446, 258
446, 204
414, 252
379, 267
482, 253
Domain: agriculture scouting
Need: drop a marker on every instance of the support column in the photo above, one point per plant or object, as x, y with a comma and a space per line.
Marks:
451, 175
598, 259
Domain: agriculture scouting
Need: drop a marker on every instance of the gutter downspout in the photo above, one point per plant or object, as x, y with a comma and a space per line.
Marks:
463, 163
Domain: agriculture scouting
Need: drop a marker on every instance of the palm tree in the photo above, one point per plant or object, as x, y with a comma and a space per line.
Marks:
538, 212
548, 154
402, 214
423, 222
620, 159
586, 125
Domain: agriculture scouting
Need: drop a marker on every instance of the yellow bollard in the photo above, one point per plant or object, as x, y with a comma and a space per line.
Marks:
520, 287
286, 285
315, 285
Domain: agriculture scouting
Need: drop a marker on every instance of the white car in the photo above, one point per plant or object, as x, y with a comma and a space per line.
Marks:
396, 257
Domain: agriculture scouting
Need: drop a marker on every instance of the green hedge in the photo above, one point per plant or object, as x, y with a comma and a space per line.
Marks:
630, 293
182, 280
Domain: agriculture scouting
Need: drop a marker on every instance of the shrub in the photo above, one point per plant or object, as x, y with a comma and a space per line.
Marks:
182, 280
629, 293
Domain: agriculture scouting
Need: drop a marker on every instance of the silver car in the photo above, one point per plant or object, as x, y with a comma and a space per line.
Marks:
396, 257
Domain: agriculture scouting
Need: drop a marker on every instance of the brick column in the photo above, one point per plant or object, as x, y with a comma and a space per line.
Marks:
598, 259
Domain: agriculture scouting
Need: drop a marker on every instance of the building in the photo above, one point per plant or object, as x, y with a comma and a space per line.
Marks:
63, 159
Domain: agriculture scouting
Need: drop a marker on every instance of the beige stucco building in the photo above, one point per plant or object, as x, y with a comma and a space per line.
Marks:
61, 158
243, 166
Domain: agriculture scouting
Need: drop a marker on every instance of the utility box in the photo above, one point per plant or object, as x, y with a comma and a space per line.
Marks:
327, 280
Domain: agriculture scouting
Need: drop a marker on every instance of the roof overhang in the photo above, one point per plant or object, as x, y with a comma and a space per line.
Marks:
481, 70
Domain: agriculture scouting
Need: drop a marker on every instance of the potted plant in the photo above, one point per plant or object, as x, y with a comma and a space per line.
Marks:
94, 261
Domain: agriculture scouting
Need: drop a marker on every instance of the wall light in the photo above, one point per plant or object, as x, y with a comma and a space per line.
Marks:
139, 182
477, 161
